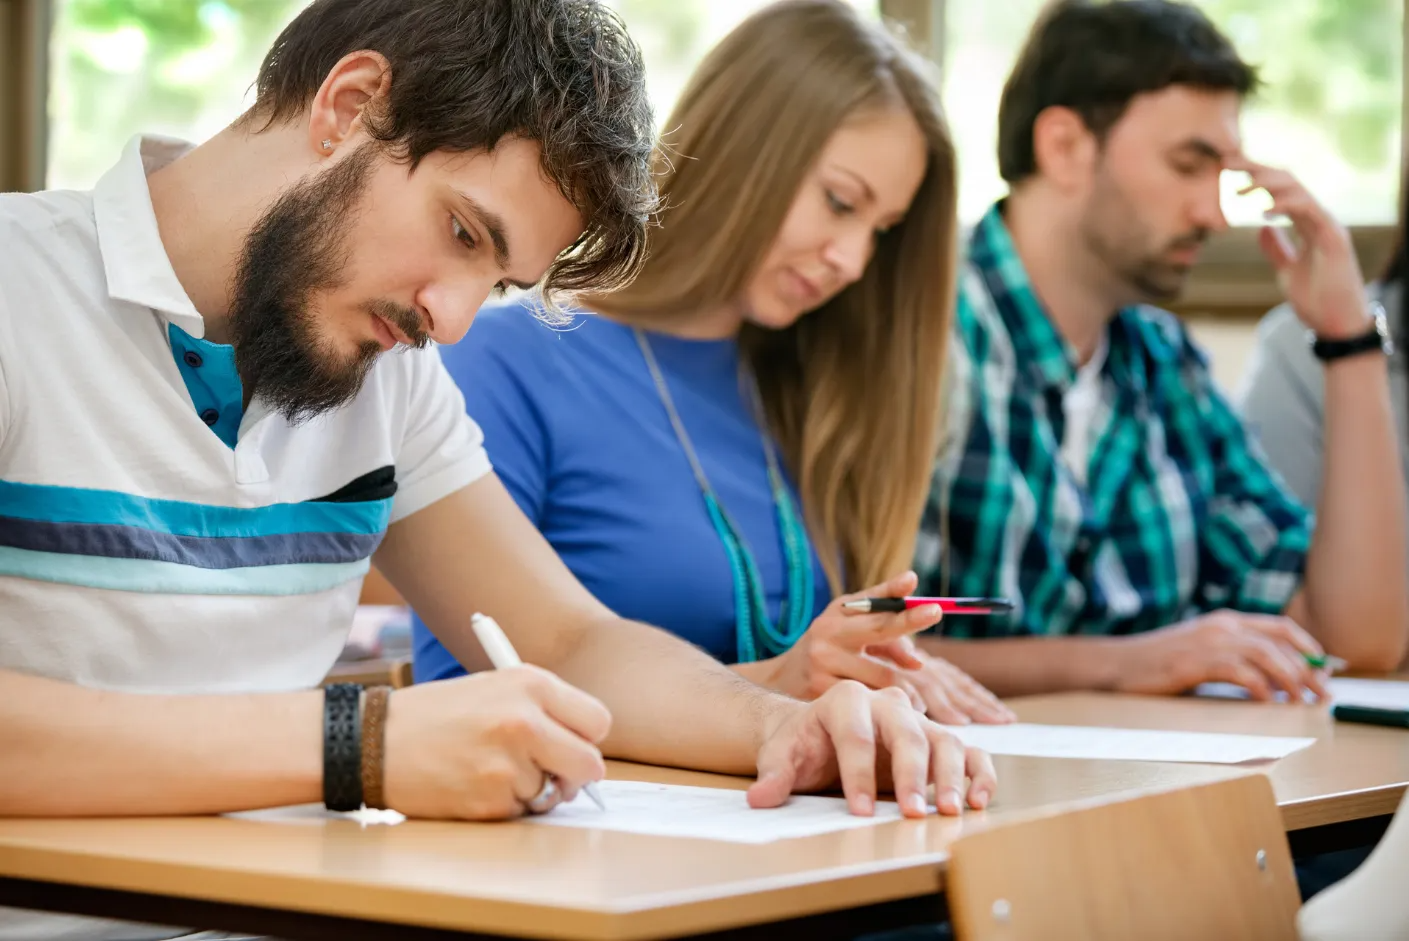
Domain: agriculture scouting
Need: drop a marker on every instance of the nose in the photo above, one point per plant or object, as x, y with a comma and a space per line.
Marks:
1208, 208
849, 252
452, 305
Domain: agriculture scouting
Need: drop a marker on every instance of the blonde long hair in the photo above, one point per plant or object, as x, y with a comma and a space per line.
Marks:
851, 391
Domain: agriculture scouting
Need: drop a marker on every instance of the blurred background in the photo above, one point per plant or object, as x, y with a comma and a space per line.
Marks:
78, 77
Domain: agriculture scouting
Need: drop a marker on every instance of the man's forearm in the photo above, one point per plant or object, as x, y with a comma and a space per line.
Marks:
1027, 666
760, 672
671, 703
73, 751
1357, 604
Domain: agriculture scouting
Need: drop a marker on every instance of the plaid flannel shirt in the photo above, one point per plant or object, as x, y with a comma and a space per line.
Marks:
1180, 513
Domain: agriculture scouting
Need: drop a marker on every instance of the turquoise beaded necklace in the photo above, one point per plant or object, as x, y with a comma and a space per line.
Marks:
757, 636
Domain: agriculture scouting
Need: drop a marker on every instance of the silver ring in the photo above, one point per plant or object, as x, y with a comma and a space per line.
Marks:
546, 798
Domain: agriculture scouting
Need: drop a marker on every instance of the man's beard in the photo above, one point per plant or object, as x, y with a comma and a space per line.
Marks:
1113, 234
298, 249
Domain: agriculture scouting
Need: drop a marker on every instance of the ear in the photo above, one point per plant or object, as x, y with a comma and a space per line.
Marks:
355, 83
1063, 147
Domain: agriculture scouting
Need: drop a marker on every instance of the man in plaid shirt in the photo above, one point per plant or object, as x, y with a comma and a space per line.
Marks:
1092, 471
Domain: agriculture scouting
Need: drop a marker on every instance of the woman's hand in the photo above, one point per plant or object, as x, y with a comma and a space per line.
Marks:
876, 649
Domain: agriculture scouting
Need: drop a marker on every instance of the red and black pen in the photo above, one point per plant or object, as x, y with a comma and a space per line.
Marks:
946, 605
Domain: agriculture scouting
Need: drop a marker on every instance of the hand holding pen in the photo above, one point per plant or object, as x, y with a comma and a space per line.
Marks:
945, 605
502, 655
855, 642
483, 746
1265, 654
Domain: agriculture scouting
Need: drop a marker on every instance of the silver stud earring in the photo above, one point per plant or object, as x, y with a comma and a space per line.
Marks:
327, 144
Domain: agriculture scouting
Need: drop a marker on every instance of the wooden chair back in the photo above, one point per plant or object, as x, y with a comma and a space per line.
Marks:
400, 673
1202, 862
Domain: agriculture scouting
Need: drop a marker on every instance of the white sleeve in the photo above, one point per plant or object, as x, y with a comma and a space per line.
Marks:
6, 421
1370, 903
442, 450
4, 404
1282, 400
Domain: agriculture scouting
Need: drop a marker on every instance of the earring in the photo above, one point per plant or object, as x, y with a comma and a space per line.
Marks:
327, 144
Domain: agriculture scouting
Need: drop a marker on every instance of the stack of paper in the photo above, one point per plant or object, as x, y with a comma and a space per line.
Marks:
1066, 741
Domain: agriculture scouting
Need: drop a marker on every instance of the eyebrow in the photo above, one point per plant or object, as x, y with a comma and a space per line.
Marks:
493, 223
1203, 148
866, 187
871, 195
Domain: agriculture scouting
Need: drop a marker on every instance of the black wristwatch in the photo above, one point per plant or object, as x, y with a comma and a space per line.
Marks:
1376, 338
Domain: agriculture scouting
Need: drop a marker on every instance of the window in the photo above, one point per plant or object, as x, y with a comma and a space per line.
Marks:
982, 40
122, 67
675, 34
1330, 111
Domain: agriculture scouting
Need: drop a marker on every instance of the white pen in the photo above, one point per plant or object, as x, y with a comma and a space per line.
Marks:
503, 655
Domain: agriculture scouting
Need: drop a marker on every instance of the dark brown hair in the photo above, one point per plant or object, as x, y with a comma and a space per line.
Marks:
852, 390
1094, 57
467, 73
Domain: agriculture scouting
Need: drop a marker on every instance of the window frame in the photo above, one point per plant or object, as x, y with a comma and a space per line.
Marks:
1232, 280
24, 71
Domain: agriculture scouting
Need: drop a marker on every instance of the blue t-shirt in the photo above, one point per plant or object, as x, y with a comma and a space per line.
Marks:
577, 432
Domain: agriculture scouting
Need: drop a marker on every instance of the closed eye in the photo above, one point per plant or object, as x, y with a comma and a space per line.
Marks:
837, 205
464, 237
462, 234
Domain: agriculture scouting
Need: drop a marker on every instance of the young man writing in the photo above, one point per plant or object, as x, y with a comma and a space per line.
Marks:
202, 443
1092, 472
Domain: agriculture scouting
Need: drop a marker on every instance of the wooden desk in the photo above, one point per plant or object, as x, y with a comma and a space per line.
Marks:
1353, 771
378, 671
333, 879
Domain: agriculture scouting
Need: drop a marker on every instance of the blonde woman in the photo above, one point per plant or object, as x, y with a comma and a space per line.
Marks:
742, 439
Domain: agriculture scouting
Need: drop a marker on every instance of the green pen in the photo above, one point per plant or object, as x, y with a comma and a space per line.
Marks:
1396, 718
1325, 662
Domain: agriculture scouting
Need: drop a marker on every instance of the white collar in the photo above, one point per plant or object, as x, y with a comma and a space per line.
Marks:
134, 258
1093, 366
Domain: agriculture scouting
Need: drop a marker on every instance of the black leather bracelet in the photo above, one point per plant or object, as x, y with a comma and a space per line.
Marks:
342, 747
1376, 339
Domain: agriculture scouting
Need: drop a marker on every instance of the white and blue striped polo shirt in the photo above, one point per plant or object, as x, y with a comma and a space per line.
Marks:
154, 535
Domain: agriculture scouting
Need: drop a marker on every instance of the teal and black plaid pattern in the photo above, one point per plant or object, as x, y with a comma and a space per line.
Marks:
1180, 514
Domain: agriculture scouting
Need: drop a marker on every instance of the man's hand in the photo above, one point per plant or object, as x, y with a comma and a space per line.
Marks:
1319, 275
478, 747
1262, 653
849, 734
876, 650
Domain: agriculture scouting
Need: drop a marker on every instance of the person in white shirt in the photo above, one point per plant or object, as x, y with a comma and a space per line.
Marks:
202, 444
1370, 903
1283, 391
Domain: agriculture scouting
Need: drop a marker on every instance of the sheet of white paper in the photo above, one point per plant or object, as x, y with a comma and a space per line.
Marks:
1378, 694
707, 813
317, 813
1067, 741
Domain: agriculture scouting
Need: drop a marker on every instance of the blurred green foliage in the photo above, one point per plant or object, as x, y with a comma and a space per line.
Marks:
1336, 62
184, 66
123, 66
